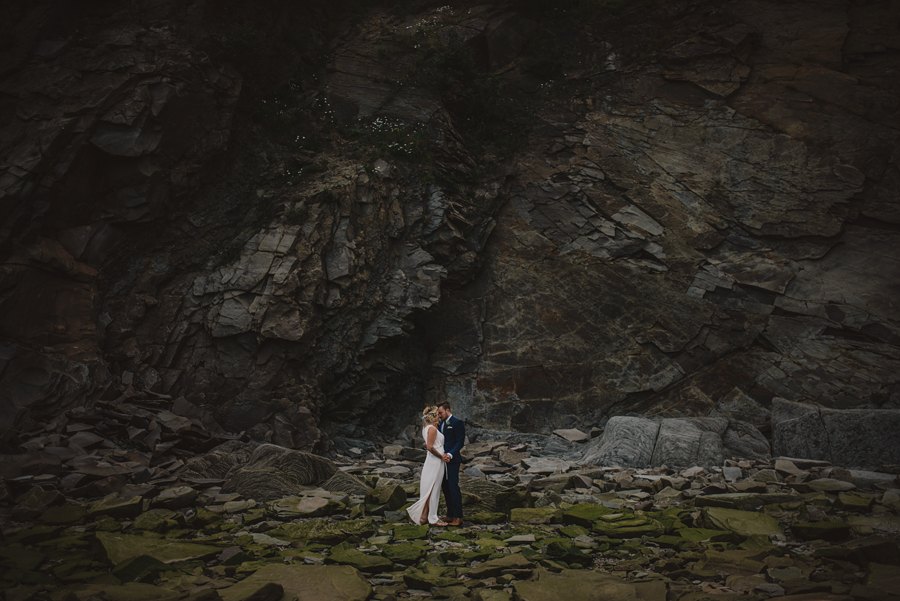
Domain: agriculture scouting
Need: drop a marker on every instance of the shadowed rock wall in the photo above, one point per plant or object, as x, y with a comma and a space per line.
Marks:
709, 232
690, 232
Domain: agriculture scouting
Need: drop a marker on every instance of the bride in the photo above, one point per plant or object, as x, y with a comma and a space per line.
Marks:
425, 509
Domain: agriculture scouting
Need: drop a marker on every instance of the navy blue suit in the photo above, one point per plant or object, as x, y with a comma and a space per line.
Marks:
454, 431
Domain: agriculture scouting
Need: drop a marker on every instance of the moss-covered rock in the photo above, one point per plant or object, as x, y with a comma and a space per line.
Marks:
63, 514
561, 549
369, 563
132, 591
625, 526
576, 584
405, 532
585, 514
324, 531
487, 518
536, 515
204, 517
119, 547
138, 568
735, 563
745, 523
427, 579
488, 594
35, 534
157, 520
854, 501
450, 535
514, 562
830, 531
116, 507
407, 554
105, 524
507, 500
18, 557
393, 497
716, 536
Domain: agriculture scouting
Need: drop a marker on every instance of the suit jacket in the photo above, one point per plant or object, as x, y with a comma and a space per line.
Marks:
454, 438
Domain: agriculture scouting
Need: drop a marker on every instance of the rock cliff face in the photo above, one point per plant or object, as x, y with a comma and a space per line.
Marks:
707, 233
693, 225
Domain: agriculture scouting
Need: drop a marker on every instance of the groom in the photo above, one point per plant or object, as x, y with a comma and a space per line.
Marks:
454, 431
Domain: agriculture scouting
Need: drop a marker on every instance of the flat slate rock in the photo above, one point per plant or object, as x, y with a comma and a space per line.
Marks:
586, 585
120, 547
572, 435
310, 583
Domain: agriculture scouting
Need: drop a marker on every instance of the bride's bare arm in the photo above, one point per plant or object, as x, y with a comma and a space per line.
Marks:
431, 435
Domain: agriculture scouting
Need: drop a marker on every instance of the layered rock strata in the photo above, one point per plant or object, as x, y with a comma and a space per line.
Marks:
690, 234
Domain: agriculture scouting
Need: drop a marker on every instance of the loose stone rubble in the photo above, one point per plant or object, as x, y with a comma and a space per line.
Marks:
536, 519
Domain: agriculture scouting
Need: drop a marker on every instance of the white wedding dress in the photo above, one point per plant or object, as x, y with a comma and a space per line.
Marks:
430, 481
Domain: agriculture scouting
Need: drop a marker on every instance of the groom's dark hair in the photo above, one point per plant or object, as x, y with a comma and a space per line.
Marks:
445, 405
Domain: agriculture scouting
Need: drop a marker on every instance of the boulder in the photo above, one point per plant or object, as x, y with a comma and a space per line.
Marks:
346, 483
850, 438
626, 442
688, 442
393, 497
640, 442
489, 497
261, 472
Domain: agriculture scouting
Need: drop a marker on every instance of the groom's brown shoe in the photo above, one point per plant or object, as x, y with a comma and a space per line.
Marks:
456, 522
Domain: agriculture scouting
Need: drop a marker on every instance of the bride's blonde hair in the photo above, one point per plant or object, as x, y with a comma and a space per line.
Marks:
430, 414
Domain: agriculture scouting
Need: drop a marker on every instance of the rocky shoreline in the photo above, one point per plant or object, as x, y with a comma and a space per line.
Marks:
213, 517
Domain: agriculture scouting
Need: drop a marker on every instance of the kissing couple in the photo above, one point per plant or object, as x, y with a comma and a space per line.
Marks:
444, 437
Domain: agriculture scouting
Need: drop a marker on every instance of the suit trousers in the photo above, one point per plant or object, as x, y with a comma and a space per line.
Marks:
452, 493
